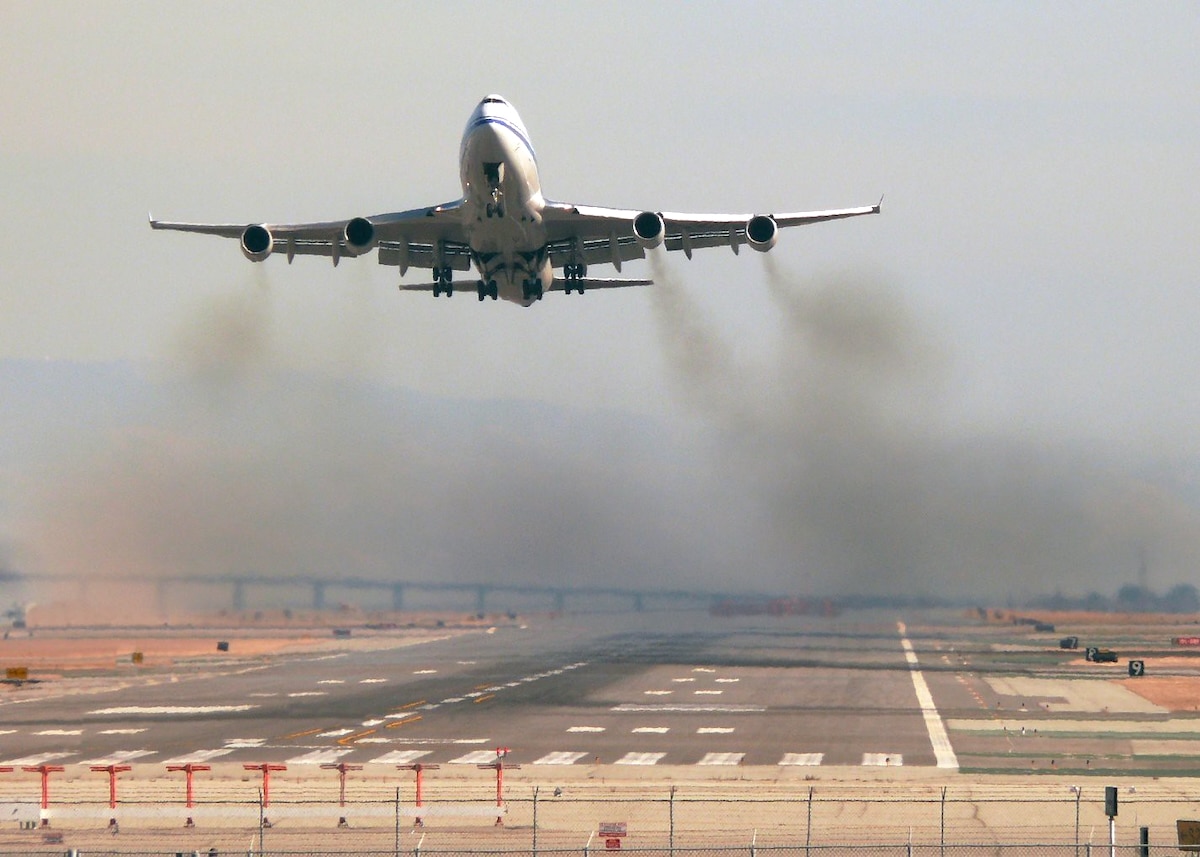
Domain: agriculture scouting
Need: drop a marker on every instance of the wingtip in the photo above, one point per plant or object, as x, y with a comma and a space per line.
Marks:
879, 205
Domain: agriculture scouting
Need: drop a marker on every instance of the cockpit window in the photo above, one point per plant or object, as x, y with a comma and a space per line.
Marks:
494, 101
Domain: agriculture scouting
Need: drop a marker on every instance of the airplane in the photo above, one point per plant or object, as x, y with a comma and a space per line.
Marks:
503, 226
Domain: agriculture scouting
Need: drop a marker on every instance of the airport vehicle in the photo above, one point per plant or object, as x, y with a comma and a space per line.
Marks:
503, 226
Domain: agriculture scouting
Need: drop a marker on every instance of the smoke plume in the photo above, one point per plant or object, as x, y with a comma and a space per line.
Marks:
865, 482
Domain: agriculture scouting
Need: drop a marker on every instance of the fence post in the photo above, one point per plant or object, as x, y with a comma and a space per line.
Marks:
1079, 793
943, 823
535, 804
397, 821
753, 841
262, 822
808, 826
671, 829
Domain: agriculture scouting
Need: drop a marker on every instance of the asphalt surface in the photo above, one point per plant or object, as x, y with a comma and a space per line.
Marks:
621, 689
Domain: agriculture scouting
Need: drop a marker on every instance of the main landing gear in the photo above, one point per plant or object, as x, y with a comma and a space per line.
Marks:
488, 289
443, 282
532, 289
573, 275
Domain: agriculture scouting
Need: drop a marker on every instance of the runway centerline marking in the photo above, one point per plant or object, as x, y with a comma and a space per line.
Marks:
585, 729
173, 709
714, 730
651, 730
942, 750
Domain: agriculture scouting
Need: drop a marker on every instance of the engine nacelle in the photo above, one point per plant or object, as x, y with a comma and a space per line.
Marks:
257, 242
762, 232
649, 229
359, 235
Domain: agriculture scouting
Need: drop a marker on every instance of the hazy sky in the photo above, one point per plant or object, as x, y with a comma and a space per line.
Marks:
1032, 279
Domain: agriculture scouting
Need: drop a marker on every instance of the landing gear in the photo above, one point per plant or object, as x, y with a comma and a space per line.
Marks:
487, 289
532, 289
573, 274
443, 282
494, 174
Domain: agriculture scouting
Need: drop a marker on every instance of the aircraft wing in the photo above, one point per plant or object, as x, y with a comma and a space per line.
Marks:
609, 235
418, 238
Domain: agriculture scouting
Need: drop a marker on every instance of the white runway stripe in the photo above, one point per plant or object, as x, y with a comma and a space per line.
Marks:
883, 760
402, 757
802, 758
319, 757
563, 757
640, 759
585, 729
40, 759
942, 750
199, 756
475, 757
119, 757
714, 730
722, 759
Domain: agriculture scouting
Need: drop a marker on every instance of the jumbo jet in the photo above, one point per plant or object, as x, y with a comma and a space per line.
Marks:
502, 225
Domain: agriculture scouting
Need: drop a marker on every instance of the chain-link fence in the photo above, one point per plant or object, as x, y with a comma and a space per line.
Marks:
754, 819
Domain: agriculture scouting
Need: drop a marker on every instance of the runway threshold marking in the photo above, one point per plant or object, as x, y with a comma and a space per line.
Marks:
942, 750
640, 759
475, 757
722, 759
883, 760
802, 759
561, 757
198, 756
402, 757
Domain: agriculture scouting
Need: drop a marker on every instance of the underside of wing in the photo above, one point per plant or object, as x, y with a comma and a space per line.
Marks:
594, 234
419, 238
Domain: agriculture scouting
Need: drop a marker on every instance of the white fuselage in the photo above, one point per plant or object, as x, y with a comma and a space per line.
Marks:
502, 201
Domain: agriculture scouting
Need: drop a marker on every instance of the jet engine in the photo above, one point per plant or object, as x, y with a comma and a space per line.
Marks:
359, 235
762, 231
257, 242
649, 229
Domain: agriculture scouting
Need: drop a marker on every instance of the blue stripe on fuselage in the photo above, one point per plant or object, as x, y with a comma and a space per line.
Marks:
504, 123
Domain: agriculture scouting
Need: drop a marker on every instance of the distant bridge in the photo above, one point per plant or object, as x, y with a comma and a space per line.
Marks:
556, 597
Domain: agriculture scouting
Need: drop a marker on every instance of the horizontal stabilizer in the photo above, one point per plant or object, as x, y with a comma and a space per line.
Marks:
587, 283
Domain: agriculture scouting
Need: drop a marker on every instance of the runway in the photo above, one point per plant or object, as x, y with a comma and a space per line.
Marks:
624, 691
620, 689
